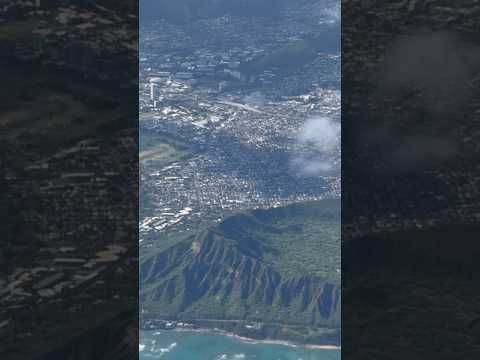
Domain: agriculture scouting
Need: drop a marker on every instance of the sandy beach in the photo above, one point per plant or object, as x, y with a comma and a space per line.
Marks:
256, 341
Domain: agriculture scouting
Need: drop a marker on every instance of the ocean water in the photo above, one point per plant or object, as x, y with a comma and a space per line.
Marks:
171, 345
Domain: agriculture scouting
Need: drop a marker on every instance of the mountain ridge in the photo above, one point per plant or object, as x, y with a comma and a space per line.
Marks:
238, 270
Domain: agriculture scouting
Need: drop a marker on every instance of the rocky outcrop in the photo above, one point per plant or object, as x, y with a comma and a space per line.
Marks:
222, 273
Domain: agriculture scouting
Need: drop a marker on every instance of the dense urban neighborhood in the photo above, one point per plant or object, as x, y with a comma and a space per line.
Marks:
238, 128
68, 174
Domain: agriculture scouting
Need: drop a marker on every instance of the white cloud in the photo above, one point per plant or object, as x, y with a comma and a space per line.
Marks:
319, 139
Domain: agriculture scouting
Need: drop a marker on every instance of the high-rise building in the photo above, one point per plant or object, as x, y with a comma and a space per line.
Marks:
154, 83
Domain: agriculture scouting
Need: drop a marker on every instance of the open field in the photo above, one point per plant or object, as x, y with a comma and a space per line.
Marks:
40, 113
161, 151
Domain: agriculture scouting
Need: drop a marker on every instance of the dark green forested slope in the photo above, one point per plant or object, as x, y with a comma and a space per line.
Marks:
293, 56
275, 266
182, 11
413, 291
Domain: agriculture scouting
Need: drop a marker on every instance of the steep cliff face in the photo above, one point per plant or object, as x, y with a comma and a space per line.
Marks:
240, 270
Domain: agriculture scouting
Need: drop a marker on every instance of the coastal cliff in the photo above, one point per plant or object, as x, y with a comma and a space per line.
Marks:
277, 267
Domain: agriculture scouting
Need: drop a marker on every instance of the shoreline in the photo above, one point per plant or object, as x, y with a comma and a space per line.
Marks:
248, 340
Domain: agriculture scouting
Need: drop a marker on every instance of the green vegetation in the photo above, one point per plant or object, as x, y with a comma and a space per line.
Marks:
297, 240
159, 151
272, 266
298, 249
182, 11
413, 291
156, 152
38, 122
296, 54
287, 59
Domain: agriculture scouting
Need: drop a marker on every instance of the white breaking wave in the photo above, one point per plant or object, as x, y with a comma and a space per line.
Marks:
233, 357
162, 351
168, 349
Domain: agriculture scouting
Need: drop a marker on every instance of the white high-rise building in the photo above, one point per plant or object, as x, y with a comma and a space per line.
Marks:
154, 83
152, 91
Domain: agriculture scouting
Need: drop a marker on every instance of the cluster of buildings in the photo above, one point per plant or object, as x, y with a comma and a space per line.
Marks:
70, 210
241, 159
76, 179
158, 324
149, 323
438, 198
79, 35
241, 135
434, 193
74, 249
58, 270
214, 54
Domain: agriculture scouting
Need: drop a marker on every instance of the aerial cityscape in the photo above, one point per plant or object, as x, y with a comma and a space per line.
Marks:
240, 174
69, 178
239, 179
178, 182
410, 175
239, 131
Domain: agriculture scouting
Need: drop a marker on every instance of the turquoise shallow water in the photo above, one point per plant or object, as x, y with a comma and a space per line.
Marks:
170, 345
